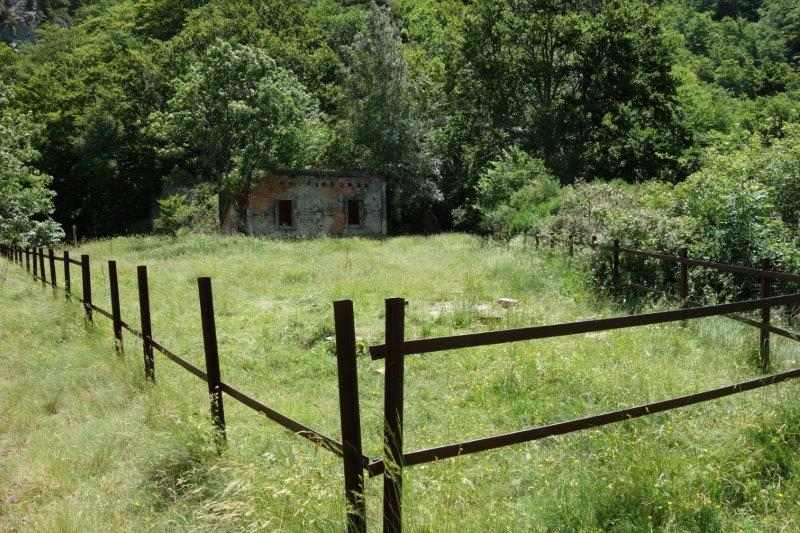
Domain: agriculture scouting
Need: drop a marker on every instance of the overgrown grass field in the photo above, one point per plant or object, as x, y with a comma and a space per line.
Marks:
87, 445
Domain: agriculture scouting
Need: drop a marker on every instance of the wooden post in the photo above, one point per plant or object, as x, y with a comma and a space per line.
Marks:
86, 279
765, 316
393, 416
28, 260
212, 360
67, 277
615, 265
684, 287
35, 264
349, 415
42, 275
74, 235
144, 314
115, 308
52, 259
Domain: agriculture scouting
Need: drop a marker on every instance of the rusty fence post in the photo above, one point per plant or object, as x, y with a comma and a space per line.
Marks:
147, 330
615, 265
350, 417
86, 280
52, 260
764, 292
684, 287
67, 276
116, 314
212, 360
393, 416
42, 275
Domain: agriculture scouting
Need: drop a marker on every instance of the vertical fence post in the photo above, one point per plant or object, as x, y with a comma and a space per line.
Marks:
42, 275
35, 264
684, 288
144, 314
75, 235
349, 414
115, 308
67, 277
52, 259
764, 291
615, 265
212, 360
86, 279
393, 416
28, 260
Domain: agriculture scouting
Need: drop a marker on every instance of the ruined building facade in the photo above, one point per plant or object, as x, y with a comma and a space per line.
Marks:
311, 203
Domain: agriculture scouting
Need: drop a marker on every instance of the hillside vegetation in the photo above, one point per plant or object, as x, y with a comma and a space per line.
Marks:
137, 99
87, 445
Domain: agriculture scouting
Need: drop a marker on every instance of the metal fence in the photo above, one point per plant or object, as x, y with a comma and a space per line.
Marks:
396, 348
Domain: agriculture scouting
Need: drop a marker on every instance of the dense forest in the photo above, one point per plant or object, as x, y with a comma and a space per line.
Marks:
649, 119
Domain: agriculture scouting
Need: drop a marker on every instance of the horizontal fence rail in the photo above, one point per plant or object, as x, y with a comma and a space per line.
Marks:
471, 340
561, 428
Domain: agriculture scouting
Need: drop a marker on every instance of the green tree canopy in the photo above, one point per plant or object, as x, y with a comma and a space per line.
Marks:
233, 114
26, 202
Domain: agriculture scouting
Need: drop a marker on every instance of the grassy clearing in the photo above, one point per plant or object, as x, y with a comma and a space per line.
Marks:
87, 445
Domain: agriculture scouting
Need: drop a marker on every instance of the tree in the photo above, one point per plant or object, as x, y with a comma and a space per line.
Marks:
236, 113
26, 202
585, 86
382, 126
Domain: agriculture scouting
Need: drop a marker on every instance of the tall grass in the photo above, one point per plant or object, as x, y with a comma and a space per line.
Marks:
87, 445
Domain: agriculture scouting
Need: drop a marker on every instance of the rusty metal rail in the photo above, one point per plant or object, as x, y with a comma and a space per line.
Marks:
471, 340
561, 428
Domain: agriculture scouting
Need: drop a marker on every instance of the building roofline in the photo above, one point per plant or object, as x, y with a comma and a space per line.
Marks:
321, 173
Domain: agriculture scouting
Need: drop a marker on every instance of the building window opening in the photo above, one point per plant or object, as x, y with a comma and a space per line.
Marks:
354, 212
285, 215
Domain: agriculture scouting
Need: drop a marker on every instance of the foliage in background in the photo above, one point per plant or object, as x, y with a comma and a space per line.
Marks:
26, 202
236, 113
382, 129
429, 92
515, 193
740, 208
193, 211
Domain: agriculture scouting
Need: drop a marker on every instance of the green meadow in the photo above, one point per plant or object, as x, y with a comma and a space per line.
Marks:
86, 444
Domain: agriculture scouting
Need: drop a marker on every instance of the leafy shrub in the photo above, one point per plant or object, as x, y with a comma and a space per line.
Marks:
742, 206
515, 192
193, 211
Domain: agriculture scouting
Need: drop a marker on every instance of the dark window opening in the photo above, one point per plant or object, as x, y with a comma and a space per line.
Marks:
354, 212
285, 217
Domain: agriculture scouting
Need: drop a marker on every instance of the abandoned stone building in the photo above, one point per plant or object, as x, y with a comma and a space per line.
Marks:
309, 203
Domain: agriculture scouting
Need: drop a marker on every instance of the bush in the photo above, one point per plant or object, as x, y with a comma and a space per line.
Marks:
515, 193
195, 211
741, 207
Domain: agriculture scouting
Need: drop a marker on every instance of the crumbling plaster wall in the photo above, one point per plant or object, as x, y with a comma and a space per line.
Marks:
319, 206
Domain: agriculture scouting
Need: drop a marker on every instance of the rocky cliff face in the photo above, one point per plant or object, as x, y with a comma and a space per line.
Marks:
20, 18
